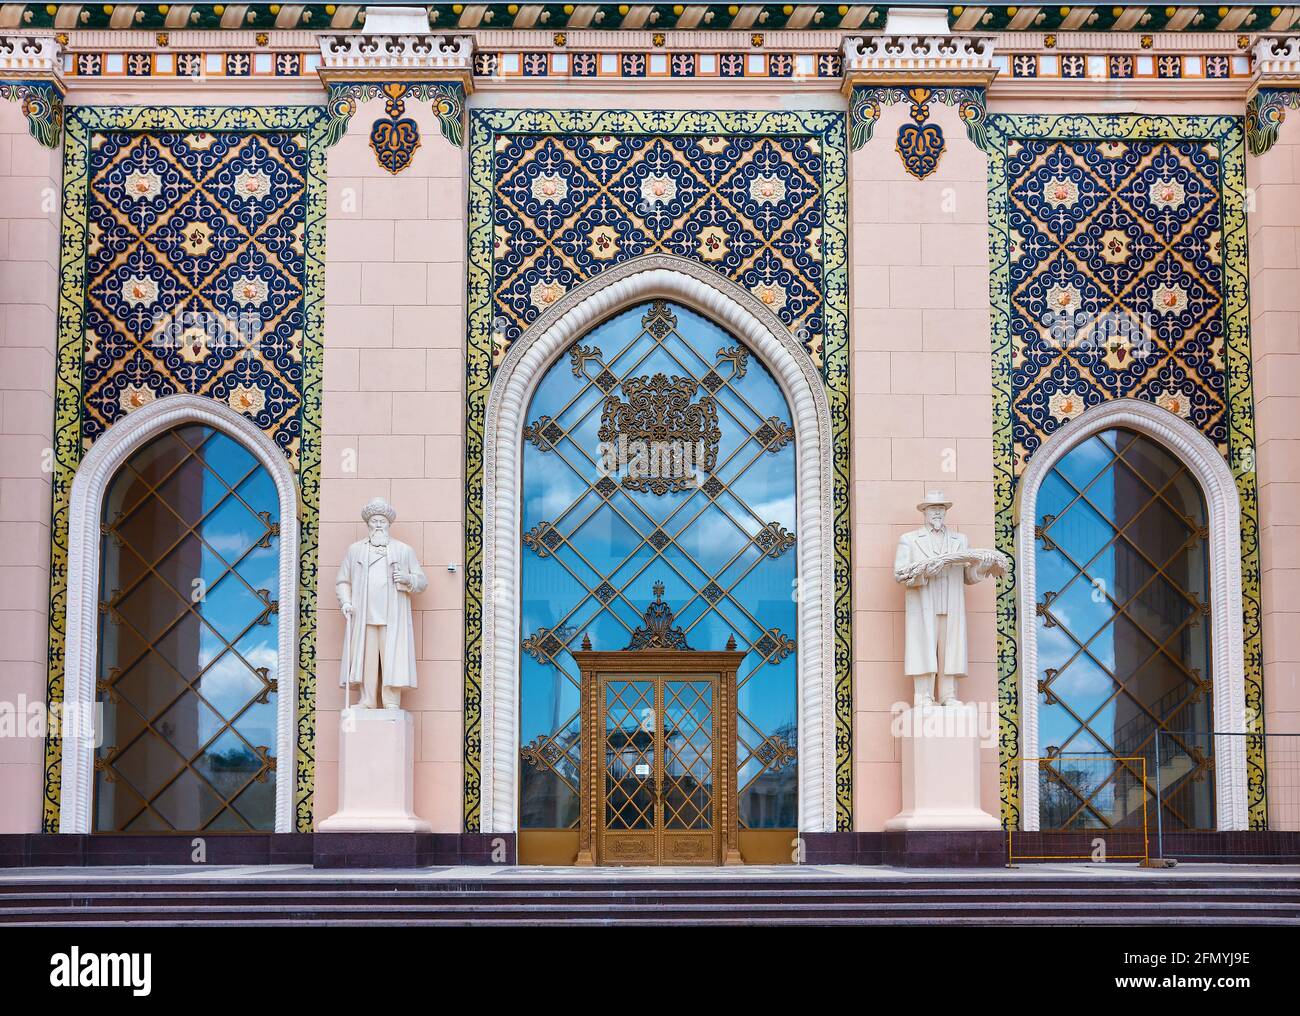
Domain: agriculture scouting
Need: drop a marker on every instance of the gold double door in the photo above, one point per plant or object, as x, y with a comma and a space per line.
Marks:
661, 753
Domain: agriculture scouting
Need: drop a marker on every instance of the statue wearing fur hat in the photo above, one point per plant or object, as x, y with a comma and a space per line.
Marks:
375, 583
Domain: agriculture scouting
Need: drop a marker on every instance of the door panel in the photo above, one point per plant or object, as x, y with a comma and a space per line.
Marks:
688, 735
630, 752
658, 771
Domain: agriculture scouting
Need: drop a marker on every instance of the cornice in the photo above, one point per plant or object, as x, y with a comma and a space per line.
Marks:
932, 59
427, 57
31, 58
583, 14
1277, 61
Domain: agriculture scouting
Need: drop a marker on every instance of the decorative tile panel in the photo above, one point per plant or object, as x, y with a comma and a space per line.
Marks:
558, 196
1118, 270
192, 261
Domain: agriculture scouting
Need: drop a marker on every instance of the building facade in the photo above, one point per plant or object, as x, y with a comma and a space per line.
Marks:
655, 324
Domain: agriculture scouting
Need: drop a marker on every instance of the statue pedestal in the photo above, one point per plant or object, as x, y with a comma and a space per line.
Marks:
941, 770
376, 774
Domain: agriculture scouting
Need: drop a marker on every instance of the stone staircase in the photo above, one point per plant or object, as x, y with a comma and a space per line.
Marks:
824, 899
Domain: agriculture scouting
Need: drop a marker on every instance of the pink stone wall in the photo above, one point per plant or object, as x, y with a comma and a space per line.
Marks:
29, 257
1274, 223
922, 419
393, 424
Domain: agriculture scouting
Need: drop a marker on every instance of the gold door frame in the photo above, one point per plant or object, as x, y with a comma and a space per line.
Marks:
659, 666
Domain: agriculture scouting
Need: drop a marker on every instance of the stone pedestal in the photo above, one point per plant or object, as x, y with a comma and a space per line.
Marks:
941, 771
376, 774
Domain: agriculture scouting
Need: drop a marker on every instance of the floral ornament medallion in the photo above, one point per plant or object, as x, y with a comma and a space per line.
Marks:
396, 139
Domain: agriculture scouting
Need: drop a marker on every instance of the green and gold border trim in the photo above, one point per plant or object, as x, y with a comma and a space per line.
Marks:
81, 124
1229, 134
485, 127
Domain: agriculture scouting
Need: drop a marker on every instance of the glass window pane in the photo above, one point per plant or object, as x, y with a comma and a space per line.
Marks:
709, 423
1123, 647
188, 647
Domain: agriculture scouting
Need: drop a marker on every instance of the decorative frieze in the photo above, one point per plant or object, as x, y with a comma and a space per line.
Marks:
711, 17
194, 64
693, 65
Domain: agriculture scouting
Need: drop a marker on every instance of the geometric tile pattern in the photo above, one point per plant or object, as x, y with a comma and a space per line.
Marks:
1127, 233
570, 206
189, 233
1118, 270
192, 261
558, 196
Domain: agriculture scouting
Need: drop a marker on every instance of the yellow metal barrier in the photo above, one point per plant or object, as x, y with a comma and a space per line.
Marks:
1144, 858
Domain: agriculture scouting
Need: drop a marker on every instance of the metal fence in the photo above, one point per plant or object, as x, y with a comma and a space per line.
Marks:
1102, 805
1181, 760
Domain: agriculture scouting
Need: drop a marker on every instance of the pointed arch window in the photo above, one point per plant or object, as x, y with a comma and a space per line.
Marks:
188, 643
1123, 638
658, 450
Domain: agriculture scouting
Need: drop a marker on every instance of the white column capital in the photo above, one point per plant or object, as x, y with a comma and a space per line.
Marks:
1277, 60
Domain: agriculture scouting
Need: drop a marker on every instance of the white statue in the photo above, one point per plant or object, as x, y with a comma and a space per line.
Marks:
375, 583
935, 564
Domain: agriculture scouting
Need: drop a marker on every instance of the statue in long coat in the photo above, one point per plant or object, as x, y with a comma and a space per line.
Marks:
934, 565
375, 583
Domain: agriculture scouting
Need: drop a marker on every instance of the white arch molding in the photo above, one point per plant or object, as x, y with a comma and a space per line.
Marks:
656, 277
89, 486
1227, 653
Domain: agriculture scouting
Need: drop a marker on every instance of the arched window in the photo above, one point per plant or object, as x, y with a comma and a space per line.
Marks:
1123, 635
659, 450
188, 640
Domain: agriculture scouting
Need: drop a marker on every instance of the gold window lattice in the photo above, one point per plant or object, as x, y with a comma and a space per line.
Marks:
659, 372
1124, 639
188, 639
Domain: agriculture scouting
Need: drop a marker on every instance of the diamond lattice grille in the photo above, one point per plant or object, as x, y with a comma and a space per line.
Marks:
688, 754
715, 524
188, 639
1123, 638
629, 754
